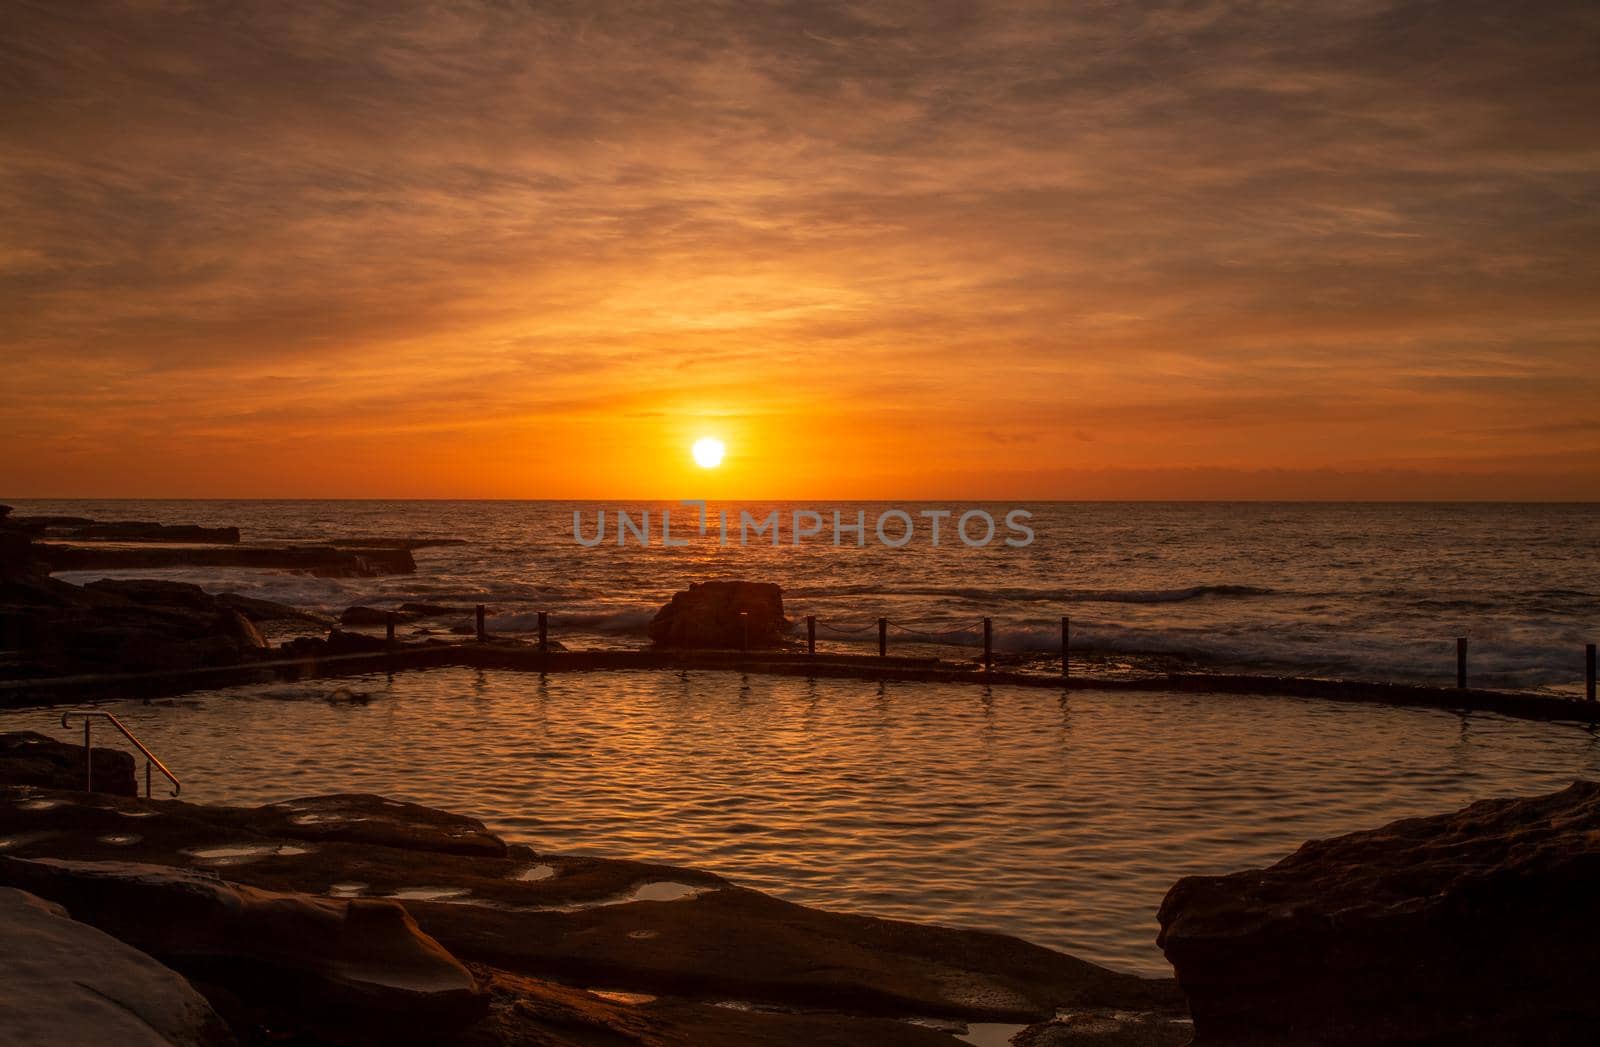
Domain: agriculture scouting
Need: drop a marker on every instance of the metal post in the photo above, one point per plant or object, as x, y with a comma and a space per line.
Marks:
147, 779
1588, 672
482, 634
988, 644
811, 634
544, 630
744, 630
1461, 662
883, 637
1066, 645
88, 759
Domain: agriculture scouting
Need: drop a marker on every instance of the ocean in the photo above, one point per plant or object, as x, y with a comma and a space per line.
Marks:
1373, 591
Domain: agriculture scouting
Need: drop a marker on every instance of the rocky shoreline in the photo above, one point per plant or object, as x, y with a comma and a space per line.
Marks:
360, 919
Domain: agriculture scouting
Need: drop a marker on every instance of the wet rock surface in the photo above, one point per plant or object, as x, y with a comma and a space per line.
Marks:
683, 956
32, 759
724, 614
353, 968
1472, 928
65, 982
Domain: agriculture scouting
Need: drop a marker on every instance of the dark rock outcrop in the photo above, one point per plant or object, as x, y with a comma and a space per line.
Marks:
353, 970
323, 561
28, 758
1474, 929
372, 616
119, 626
338, 641
64, 982
72, 527
708, 614
534, 928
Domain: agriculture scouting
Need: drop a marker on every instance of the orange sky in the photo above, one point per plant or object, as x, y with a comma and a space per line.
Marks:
881, 250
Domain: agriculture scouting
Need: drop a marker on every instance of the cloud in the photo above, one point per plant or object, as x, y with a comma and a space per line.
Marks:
1367, 227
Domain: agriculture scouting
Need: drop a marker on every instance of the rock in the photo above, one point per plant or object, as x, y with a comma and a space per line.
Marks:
372, 616
127, 626
29, 758
64, 982
1473, 928
148, 531
362, 818
522, 920
337, 642
323, 561
346, 970
258, 610
707, 614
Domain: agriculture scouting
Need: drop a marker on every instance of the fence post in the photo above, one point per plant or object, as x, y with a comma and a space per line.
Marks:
88, 759
883, 637
482, 633
1588, 671
744, 630
988, 644
544, 631
811, 634
1461, 662
1066, 645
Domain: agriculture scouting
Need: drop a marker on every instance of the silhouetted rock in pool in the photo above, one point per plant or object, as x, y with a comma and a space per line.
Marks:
29, 758
685, 957
65, 982
338, 641
1472, 928
372, 616
708, 614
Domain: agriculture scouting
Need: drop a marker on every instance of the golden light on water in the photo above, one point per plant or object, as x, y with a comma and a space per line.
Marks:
708, 452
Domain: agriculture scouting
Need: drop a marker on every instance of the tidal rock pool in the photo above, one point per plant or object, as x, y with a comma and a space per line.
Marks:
1062, 819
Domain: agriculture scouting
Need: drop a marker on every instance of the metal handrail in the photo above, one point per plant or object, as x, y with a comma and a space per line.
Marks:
88, 752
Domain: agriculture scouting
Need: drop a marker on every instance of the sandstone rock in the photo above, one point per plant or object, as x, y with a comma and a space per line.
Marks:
356, 970
372, 616
324, 561
1472, 928
812, 977
29, 758
707, 614
337, 642
148, 531
362, 818
64, 982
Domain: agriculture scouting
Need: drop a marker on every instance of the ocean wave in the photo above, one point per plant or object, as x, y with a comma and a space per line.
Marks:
998, 595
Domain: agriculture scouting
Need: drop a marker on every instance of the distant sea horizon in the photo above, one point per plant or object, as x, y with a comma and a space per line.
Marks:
1373, 590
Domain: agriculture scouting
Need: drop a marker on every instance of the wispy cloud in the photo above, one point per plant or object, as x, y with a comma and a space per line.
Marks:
1230, 235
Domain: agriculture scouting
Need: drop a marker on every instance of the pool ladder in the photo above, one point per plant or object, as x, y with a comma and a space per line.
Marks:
150, 759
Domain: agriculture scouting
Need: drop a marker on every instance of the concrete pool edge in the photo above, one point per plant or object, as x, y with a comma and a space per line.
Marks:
518, 657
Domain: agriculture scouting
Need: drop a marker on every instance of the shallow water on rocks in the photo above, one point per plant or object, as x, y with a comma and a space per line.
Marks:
1061, 820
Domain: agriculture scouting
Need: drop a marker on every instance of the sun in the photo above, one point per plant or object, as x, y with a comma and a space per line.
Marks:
707, 452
